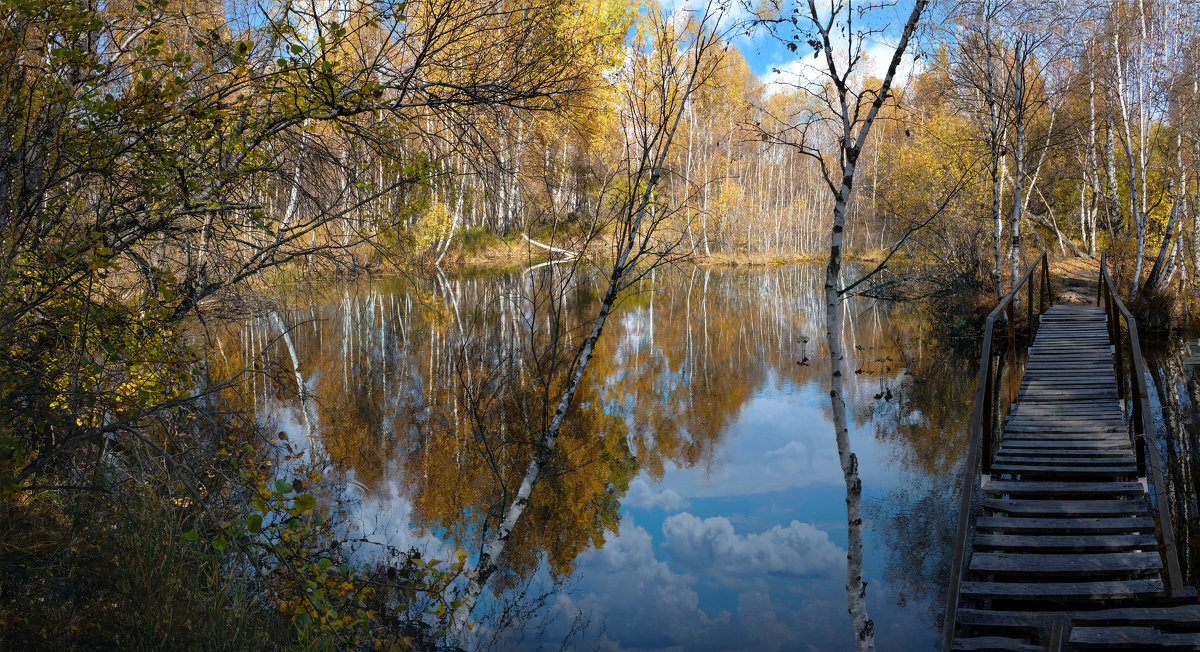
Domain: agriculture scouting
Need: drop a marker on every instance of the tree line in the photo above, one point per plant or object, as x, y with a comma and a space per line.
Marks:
162, 160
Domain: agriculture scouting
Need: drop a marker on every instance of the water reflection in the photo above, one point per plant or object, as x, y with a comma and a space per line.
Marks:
694, 499
1175, 398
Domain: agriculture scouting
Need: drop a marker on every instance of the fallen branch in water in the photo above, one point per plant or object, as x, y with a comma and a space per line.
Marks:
556, 250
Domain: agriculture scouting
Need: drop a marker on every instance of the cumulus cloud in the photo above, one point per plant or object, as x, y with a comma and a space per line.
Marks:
643, 495
803, 70
711, 546
644, 602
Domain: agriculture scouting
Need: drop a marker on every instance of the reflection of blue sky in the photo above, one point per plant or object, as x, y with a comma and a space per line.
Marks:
749, 553
745, 552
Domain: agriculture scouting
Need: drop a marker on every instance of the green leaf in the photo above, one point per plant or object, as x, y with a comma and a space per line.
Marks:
296, 49
305, 503
189, 536
254, 522
146, 74
218, 543
282, 486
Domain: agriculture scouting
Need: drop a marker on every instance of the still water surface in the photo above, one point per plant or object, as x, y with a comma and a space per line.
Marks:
697, 502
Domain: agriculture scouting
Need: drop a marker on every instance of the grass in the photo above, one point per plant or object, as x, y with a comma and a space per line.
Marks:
97, 570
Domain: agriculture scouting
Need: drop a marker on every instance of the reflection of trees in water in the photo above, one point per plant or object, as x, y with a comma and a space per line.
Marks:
1176, 392
926, 419
917, 531
449, 380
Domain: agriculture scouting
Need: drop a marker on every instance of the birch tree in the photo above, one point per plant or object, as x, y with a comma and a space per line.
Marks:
666, 64
845, 108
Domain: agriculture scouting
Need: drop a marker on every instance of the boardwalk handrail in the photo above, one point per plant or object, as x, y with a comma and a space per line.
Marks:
1145, 443
983, 418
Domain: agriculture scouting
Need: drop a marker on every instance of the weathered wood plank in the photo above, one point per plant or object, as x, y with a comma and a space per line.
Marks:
1071, 525
1066, 543
997, 643
1061, 503
1074, 564
1039, 487
1131, 637
1009, 457
1184, 615
1102, 590
1072, 508
1109, 444
1043, 471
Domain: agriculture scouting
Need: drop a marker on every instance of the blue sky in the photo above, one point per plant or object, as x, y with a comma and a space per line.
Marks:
772, 62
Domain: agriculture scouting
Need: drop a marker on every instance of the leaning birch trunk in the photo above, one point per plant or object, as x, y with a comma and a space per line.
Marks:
633, 242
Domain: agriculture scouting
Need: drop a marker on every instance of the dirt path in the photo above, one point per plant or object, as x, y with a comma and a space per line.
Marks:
1075, 280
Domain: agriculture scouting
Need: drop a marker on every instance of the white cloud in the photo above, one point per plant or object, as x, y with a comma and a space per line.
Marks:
711, 546
624, 578
643, 495
803, 70
775, 443
384, 518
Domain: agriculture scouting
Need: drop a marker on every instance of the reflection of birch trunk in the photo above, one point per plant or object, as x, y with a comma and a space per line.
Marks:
1178, 447
856, 589
306, 407
850, 147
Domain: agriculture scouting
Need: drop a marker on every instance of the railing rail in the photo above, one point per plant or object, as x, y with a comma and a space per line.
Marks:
980, 436
1142, 421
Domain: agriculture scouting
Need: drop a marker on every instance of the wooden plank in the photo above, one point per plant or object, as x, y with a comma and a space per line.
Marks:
1074, 564
1065, 543
1016, 487
1063, 421
1041, 410
1065, 435
1072, 508
1131, 637
1105, 444
1102, 590
1081, 471
998, 643
1009, 457
1102, 456
1182, 615
1078, 525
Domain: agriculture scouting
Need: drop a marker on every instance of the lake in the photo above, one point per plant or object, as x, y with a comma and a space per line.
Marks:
694, 500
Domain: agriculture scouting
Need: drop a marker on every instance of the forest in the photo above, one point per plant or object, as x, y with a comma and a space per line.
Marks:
170, 167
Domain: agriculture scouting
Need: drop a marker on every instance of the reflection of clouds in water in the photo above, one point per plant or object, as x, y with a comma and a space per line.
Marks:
776, 443
647, 606
643, 495
381, 520
711, 546
286, 416
642, 600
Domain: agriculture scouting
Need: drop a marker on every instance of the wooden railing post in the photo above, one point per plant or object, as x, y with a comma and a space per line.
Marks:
1113, 317
1135, 397
1012, 351
989, 415
1029, 309
1049, 291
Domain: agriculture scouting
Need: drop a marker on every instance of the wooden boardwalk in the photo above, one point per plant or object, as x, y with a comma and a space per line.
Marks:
1065, 553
